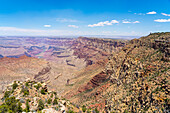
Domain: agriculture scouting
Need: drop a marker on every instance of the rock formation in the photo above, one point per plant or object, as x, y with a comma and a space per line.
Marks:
138, 79
98, 74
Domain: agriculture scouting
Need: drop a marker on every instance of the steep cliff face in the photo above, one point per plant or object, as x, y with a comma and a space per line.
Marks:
138, 79
159, 41
107, 45
141, 77
94, 79
94, 49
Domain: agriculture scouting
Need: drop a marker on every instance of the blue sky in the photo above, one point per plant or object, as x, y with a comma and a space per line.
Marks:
84, 17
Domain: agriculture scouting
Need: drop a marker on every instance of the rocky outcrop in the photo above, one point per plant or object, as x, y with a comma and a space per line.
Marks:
43, 74
95, 81
107, 45
140, 76
94, 49
32, 96
159, 41
138, 79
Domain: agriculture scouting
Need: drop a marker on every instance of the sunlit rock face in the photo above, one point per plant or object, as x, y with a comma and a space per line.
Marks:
59, 62
132, 80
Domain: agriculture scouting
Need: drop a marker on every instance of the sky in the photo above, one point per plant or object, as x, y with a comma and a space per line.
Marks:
83, 17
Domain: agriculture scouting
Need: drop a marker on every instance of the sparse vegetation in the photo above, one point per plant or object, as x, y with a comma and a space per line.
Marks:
43, 91
55, 101
38, 86
15, 85
40, 105
27, 109
49, 101
7, 94
84, 108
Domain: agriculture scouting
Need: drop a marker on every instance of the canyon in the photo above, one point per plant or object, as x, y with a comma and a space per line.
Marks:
110, 75
55, 61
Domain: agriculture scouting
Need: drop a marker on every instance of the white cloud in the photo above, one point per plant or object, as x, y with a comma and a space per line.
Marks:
28, 32
114, 21
13, 31
74, 26
127, 22
162, 20
165, 14
151, 13
107, 23
103, 23
136, 22
47, 25
65, 20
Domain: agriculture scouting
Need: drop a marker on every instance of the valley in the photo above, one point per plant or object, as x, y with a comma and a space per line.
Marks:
109, 75
52, 60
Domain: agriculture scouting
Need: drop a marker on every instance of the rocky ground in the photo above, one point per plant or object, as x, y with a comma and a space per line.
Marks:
31, 96
135, 79
141, 76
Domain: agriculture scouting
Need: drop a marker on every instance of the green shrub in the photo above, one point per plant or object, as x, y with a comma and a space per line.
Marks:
11, 103
55, 101
15, 85
88, 111
43, 91
38, 86
55, 93
3, 108
51, 95
125, 111
96, 110
19, 108
27, 106
7, 94
40, 105
70, 111
27, 84
49, 101
84, 108
26, 92
39, 111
